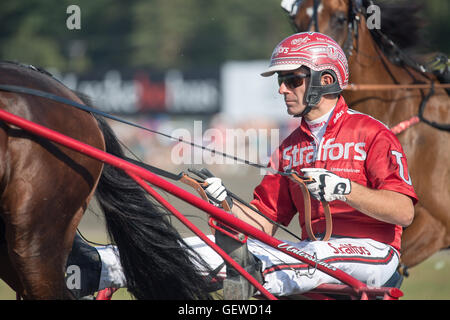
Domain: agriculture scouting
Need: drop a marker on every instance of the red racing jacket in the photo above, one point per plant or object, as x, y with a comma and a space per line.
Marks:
354, 146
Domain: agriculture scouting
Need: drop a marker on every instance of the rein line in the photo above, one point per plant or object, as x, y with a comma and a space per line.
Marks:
161, 172
50, 96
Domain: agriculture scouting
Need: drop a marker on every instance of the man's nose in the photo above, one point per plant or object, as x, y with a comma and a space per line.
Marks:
283, 89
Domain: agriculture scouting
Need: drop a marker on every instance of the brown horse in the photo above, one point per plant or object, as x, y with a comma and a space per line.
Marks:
45, 189
374, 59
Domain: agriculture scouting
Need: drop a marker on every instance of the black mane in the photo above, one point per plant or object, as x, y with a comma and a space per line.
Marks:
28, 66
401, 22
401, 37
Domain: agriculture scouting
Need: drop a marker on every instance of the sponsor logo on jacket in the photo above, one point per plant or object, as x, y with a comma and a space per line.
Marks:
295, 156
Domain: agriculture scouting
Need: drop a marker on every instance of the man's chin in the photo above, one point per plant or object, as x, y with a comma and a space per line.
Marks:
293, 112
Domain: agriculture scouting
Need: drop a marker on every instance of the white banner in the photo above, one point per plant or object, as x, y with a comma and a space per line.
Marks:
247, 94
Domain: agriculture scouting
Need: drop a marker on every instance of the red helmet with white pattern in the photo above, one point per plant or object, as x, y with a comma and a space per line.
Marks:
320, 53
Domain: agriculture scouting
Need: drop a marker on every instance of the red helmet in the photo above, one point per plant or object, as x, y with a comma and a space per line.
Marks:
313, 50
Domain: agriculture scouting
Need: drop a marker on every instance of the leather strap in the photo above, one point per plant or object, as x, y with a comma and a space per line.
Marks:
307, 205
356, 87
199, 187
194, 184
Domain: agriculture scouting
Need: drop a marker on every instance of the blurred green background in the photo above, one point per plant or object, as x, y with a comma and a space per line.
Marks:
182, 34
161, 34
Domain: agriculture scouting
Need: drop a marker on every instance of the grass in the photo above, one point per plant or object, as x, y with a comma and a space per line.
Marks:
429, 280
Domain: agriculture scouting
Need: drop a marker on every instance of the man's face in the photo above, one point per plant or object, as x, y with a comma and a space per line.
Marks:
293, 87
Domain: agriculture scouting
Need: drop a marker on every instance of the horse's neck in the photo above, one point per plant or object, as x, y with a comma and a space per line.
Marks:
369, 65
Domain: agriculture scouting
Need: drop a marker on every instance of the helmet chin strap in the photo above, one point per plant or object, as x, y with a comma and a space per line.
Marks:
304, 112
316, 90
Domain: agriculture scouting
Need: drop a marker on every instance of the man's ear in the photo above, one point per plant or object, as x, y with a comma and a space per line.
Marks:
326, 79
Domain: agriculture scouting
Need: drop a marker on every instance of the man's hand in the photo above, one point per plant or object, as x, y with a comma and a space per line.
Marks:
216, 192
327, 185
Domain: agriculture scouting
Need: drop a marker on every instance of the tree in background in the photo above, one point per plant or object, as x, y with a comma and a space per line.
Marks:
182, 33
158, 34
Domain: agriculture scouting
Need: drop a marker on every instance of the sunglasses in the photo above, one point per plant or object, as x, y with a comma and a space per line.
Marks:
292, 80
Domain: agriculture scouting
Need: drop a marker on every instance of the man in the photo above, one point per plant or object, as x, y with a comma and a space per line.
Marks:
357, 165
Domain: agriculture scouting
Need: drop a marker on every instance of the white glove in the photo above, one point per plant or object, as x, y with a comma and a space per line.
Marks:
327, 186
216, 191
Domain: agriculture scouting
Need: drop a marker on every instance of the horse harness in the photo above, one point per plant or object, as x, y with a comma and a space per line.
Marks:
198, 184
357, 7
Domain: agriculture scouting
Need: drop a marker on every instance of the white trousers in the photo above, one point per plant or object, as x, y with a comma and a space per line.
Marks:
367, 260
